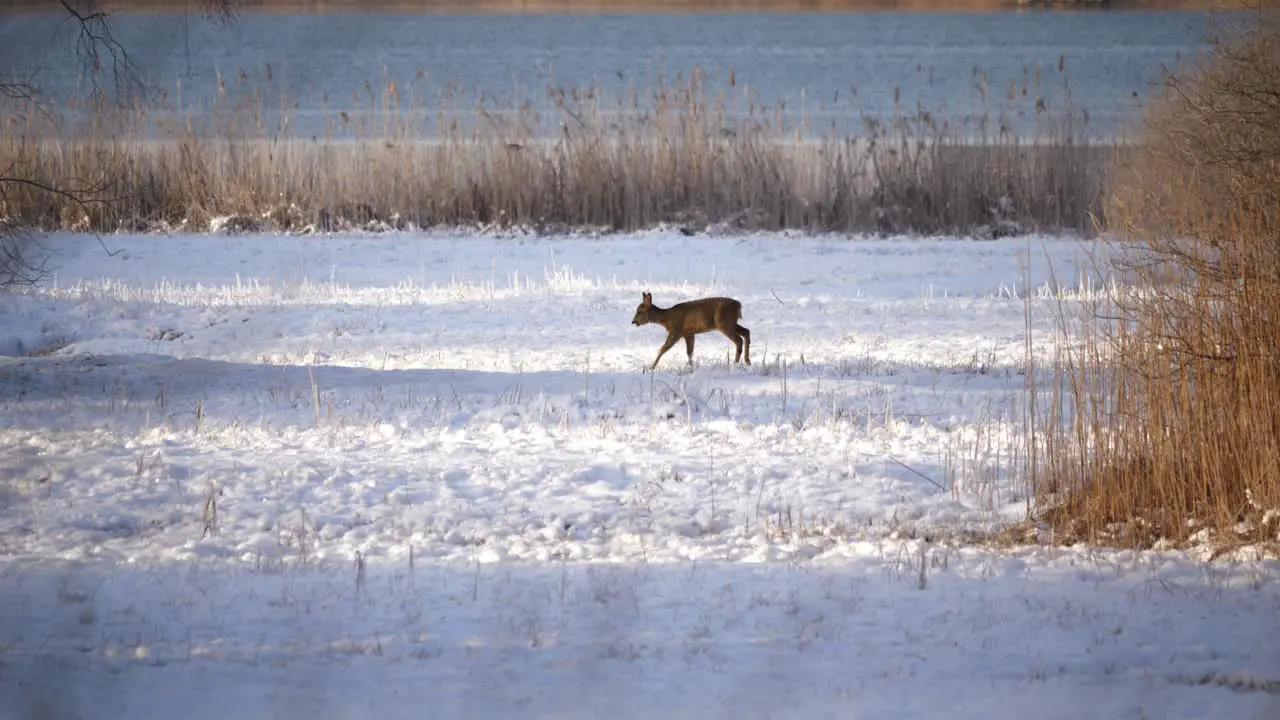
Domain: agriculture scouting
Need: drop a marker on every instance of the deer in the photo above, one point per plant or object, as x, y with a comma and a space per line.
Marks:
689, 319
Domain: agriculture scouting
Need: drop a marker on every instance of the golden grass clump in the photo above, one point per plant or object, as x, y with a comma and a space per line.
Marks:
1168, 426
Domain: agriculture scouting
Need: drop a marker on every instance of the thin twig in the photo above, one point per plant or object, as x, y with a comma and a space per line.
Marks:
918, 473
75, 196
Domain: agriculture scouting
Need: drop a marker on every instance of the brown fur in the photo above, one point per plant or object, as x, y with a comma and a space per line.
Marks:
687, 319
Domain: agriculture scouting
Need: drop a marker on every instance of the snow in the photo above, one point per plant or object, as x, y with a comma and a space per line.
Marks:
275, 476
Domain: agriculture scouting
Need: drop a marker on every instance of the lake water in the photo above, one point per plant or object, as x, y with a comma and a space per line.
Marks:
841, 66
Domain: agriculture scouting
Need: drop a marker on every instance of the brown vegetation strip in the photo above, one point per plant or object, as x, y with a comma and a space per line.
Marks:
674, 154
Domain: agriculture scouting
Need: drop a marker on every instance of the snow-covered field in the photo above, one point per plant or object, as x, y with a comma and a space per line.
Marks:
421, 475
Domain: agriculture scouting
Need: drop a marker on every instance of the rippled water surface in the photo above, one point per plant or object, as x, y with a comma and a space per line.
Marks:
839, 67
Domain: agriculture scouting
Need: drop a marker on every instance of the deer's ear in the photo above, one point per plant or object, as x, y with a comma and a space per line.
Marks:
646, 297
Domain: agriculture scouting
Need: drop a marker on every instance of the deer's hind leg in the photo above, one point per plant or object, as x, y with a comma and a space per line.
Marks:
736, 338
688, 346
745, 343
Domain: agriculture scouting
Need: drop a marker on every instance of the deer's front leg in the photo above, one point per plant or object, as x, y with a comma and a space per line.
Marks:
671, 340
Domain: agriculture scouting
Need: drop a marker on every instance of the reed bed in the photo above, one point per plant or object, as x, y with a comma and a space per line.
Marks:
676, 153
1164, 428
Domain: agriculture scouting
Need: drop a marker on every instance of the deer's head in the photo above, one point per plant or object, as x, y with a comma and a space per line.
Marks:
642, 310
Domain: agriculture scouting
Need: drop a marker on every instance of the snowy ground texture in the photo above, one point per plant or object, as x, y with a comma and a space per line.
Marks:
425, 475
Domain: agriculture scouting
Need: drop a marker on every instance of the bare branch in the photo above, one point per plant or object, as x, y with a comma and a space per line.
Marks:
96, 45
22, 258
23, 261
25, 94
80, 196
19, 90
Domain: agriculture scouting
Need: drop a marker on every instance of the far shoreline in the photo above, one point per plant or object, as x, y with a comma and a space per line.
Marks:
599, 7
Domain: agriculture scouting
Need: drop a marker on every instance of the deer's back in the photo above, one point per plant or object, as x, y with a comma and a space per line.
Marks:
705, 314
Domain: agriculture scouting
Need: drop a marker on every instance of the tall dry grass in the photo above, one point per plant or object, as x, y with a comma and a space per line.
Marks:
1167, 427
678, 152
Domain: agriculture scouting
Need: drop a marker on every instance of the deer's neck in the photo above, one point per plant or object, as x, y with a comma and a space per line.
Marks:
658, 315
